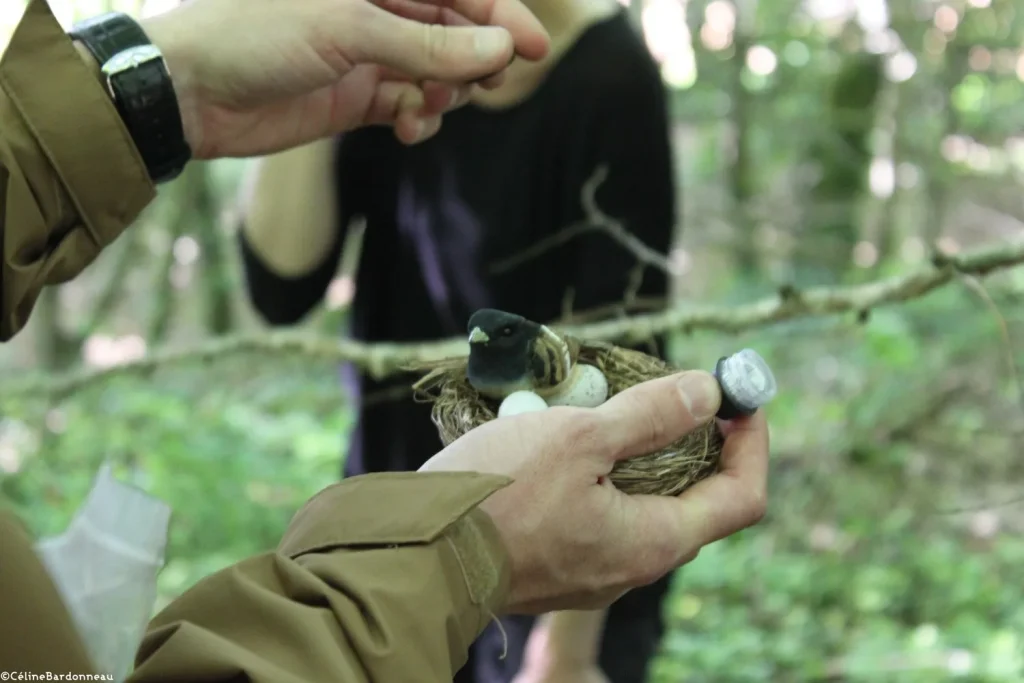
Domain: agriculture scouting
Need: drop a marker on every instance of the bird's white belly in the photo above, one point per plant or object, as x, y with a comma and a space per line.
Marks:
504, 389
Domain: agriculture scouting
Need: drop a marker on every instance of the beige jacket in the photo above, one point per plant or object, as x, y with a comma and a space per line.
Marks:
384, 578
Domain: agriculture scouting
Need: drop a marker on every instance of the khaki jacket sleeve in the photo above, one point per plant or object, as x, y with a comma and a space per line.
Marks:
36, 632
384, 578
71, 178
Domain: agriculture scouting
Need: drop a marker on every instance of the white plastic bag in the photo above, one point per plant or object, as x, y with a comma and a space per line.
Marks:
105, 565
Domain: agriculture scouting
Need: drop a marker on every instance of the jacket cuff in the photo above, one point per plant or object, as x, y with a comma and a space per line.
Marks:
413, 508
75, 124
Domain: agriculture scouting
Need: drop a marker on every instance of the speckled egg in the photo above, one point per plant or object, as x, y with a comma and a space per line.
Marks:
588, 389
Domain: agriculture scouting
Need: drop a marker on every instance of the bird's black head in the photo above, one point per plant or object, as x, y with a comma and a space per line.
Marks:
498, 329
499, 347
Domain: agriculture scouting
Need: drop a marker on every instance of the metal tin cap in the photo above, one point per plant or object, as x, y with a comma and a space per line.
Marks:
747, 380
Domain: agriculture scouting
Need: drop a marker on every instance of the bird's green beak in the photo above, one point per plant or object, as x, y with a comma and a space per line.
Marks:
478, 336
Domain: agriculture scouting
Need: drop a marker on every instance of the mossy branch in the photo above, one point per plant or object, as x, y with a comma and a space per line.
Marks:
388, 359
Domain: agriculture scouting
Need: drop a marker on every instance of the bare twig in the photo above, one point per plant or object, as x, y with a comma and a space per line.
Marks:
978, 288
380, 360
617, 309
979, 507
595, 220
818, 301
541, 247
840, 668
636, 281
568, 297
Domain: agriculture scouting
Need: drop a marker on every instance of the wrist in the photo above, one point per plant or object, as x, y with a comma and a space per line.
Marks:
565, 641
136, 74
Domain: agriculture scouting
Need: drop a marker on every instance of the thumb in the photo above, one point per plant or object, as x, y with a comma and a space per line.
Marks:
432, 51
656, 413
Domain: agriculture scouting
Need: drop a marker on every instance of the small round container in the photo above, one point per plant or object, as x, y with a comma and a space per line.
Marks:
747, 384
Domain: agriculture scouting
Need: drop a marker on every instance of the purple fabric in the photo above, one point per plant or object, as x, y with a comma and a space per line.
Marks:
447, 237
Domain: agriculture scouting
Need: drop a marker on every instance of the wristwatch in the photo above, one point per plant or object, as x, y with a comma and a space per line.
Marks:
140, 86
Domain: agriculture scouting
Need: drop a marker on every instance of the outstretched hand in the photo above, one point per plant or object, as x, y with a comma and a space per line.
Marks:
575, 543
262, 76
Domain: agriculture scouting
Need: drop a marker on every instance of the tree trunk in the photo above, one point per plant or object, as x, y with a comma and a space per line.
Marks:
843, 157
215, 273
56, 350
741, 179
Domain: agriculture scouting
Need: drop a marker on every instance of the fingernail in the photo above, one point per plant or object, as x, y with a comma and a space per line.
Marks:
490, 42
700, 393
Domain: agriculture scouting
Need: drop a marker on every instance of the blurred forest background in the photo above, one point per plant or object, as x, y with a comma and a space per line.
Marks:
819, 143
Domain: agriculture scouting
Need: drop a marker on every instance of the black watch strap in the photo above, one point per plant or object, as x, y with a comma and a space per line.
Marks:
141, 88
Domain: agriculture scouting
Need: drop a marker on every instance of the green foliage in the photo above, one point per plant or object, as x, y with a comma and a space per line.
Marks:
860, 572
233, 468
884, 606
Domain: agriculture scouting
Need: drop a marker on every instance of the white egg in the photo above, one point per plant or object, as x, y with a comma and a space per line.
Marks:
519, 402
587, 389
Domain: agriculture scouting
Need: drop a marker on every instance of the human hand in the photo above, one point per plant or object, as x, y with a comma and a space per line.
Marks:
563, 647
574, 541
558, 673
262, 76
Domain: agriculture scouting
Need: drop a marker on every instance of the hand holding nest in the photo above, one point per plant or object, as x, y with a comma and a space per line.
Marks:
574, 540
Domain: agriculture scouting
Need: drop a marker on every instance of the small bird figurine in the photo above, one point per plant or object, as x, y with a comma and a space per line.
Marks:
510, 355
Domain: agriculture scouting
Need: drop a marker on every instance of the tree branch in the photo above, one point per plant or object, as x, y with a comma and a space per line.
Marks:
386, 359
596, 220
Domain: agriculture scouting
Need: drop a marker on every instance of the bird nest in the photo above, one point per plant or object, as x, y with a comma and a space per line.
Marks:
458, 407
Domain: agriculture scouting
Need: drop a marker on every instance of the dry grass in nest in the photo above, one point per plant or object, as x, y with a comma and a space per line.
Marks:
458, 408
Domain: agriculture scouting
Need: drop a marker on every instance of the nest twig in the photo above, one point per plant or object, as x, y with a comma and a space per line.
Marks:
458, 408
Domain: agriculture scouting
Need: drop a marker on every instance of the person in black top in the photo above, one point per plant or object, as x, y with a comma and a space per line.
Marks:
503, 173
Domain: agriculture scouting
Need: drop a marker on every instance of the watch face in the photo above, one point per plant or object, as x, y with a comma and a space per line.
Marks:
131, 58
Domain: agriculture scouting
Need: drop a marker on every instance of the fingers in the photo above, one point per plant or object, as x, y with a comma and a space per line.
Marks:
652, 415
416, 125
487, 82
729, 501
746, 440
411, 129
431, 51
413, 110
736, 496
492, 82
425, 12
440, 98
530, 39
